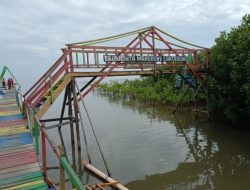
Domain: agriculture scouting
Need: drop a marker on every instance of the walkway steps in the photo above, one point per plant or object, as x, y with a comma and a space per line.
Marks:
19, 166
48, 100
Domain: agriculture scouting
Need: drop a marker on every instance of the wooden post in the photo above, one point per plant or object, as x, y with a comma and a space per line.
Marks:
183, 95
77, 59
83, 57
153, 42
36, 133
140, 36
97, 59
195, 99
66, 62
71, 61
208, 114
51, 90
60, 121
103, 176
76, 108
62, 172
72, 134
196, 61
76, 182
44, 155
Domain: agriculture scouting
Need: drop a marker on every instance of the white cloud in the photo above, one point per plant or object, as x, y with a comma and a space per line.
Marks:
38, 29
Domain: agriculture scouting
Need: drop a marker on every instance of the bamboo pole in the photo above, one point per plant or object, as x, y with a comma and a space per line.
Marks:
93, 130
60, 120
62, 172
77, 111
36, 133
74, 179
72, 134
102, 175
44, 153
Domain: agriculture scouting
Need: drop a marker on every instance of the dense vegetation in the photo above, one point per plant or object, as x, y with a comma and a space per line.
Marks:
230, 78
231, 72
149, 89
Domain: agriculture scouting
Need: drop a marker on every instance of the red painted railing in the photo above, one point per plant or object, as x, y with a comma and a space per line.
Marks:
81, 56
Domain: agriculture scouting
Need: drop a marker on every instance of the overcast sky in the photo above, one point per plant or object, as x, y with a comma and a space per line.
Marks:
32, 31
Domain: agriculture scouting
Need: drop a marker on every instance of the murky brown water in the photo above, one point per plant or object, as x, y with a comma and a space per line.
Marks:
147, 147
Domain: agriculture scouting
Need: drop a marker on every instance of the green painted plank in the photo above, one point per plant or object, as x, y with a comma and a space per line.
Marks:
72, 175
42, 188
19, 172
16, 149
37, 186
20, 182
27, 177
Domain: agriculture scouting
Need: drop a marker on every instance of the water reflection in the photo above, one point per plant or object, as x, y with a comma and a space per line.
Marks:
218, 156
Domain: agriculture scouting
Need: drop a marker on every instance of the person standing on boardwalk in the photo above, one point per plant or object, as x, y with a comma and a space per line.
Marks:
12, 82
4, 83
9, 83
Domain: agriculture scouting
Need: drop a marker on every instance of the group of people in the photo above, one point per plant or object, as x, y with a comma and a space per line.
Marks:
10, 83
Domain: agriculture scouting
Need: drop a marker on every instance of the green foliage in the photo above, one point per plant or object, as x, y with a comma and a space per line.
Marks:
231, 69
149, 89
202, 57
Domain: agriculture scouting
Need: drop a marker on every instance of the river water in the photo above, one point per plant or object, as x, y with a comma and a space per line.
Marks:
149, 148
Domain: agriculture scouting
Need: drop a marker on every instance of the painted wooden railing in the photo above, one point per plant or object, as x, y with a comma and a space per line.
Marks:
38, 128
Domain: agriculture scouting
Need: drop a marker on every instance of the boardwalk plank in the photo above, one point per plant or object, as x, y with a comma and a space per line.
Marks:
19, 166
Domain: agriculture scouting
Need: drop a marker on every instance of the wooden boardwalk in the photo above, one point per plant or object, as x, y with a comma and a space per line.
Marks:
19, 166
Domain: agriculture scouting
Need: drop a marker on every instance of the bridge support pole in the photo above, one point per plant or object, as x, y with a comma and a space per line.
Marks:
77, 112
62, 172
72, 133
36, 133
61, 118
44, 153
197, 108
195, 100
185, 92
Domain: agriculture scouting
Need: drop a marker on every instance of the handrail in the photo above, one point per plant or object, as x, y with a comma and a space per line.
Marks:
103, 176
75, 180
48, 73
72, 175
39, 124
109, 38
37, 95
178, 39
18, 92
5, 68
37, 92
17, 85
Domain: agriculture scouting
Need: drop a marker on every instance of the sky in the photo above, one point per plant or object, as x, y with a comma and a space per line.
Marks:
32, 32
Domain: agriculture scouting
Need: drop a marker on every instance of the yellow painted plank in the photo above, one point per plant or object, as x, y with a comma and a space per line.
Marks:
12, 112
8, 99
56, 93
8, 105
25, 185
13, 130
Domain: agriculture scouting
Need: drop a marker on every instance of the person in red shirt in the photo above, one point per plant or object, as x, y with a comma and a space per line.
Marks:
4, 83
12, 82
9, 83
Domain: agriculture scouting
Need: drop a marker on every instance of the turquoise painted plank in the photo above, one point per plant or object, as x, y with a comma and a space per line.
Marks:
15, 140
13, 117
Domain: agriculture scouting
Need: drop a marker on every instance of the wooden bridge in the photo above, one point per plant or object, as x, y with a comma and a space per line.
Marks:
78, 58
149, 52
19, 166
